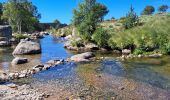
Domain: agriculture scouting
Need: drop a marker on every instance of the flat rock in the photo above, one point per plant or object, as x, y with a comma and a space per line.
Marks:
84, 57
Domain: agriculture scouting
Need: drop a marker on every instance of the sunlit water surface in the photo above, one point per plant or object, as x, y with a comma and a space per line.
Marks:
98, 79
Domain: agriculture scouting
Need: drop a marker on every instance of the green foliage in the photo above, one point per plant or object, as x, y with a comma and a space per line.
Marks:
20, 36
148, 10
22, 15
131, 19
111, 26
86, 17
163, 8
153, 35
77, 43
138, 51
101, 37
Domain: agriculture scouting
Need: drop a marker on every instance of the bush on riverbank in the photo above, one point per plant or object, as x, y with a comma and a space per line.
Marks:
19, 36
61, 32
100, 37
152, 35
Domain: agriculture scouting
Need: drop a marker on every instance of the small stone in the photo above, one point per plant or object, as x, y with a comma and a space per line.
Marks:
22, 75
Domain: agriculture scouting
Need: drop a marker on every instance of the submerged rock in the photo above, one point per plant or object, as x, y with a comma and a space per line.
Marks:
84, 57
27, 47
18, 60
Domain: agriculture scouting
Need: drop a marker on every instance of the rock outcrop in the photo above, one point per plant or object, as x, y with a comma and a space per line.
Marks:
6, 31
5, 35
27, 47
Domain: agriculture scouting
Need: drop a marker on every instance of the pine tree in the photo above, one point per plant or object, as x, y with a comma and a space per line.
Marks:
131, 19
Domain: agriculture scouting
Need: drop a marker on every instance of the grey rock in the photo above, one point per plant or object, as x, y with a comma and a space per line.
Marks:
18, 60
27, 47
126, 51
84, 57
6, 31
91, 46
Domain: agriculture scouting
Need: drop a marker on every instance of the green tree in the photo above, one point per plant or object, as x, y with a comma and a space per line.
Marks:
131, 19
163, 8
148, 10
22, 15
86, 17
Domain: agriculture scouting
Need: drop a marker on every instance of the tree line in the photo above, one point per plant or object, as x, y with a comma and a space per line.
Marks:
21, 15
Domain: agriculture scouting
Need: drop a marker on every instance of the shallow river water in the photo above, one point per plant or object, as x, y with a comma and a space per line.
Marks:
138, 79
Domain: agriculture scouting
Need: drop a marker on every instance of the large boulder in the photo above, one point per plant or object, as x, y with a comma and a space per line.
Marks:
27, 47
5, 35
82, 57
18, 60
6, 31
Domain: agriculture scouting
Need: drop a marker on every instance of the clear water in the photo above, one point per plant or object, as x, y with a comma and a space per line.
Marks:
97, 79
52, 48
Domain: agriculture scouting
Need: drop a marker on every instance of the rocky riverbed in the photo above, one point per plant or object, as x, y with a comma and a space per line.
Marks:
104, 77
10, 91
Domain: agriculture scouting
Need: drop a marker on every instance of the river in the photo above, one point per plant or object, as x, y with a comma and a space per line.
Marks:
107, 79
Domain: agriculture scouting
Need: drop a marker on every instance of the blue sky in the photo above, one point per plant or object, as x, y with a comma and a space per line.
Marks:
62, 9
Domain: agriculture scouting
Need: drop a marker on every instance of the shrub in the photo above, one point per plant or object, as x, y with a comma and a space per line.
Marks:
152, 35
77, 43
138, 51
101, 37
110, 26
20, 36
